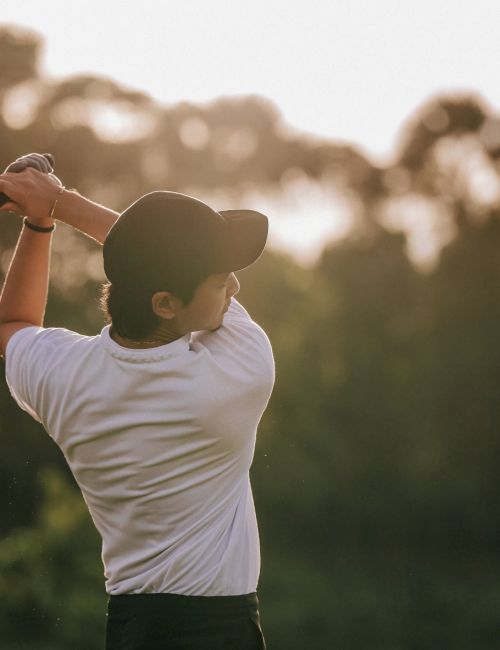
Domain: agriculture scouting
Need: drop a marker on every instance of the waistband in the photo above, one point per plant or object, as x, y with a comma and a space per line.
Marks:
178, 605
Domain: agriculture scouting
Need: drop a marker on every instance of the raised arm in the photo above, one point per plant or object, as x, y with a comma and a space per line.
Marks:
38, 196
83, 214
24, 294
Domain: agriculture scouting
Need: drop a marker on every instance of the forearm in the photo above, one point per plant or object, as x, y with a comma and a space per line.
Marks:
83, 214
24, 294
37, 195
36, 192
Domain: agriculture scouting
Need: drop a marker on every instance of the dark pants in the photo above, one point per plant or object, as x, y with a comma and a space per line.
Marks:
173, 622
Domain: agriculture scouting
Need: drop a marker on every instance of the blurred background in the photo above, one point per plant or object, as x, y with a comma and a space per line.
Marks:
370, 134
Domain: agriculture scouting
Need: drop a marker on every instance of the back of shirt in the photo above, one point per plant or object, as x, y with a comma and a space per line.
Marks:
160, 442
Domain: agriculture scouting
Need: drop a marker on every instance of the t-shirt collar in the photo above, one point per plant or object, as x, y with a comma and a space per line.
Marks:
144, 355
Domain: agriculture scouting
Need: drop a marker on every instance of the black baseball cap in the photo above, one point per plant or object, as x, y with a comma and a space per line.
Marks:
168, 237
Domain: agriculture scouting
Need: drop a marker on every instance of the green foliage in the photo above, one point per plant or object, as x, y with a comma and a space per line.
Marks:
51, 584
328, 601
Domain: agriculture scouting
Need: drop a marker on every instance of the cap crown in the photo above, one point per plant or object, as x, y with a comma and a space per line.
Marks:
164, 235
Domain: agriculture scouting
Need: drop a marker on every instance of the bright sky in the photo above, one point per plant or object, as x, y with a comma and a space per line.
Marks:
348, 69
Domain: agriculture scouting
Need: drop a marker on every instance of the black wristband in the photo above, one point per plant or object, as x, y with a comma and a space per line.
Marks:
36, 228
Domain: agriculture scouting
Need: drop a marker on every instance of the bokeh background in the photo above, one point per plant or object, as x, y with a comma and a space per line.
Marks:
376, 468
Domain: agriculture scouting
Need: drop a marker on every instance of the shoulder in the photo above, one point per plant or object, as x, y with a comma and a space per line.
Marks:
236, 328
34, 335
239, 342
31, 341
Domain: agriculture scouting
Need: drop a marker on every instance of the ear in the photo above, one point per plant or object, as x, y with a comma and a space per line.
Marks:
165, 304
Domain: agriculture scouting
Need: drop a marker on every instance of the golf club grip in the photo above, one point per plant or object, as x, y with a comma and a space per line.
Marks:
5, 199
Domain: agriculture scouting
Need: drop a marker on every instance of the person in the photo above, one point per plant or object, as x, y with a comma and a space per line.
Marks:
156, 415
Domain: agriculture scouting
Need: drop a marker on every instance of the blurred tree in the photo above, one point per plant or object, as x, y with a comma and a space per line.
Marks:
438, 118
19, 56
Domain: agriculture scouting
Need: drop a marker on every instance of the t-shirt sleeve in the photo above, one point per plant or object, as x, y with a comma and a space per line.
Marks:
29, 355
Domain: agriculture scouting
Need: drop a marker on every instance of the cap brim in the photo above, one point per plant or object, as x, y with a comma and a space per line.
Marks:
247, 235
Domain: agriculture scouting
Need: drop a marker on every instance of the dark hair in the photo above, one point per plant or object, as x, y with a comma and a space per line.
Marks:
131, 313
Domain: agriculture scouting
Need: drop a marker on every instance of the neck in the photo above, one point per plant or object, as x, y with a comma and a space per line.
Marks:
161, 336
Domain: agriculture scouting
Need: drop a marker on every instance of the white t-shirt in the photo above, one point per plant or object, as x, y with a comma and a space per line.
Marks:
160, 442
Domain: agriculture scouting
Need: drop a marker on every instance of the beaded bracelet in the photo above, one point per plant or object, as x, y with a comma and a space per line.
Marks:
60, 190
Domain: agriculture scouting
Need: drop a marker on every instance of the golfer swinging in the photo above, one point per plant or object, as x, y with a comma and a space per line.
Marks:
157, 415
